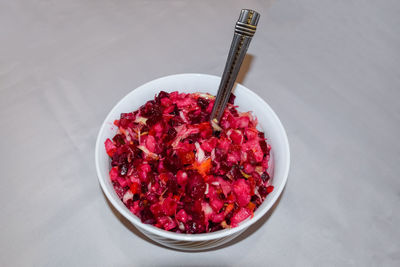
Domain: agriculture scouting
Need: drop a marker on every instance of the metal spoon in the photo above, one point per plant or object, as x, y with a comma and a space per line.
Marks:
244, 30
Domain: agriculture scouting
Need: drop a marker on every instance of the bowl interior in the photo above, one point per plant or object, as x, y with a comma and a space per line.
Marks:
191, 83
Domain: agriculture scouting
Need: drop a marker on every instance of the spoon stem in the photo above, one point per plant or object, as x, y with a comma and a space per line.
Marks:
244, 30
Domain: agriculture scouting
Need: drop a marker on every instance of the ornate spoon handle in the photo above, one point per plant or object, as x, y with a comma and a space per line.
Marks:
244, 30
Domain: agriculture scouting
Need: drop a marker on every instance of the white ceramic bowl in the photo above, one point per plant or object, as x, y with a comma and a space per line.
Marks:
190, 83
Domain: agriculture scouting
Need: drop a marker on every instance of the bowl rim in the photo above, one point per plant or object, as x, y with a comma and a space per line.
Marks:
181, 236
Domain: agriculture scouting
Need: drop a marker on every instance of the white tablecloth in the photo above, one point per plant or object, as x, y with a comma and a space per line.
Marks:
330, 69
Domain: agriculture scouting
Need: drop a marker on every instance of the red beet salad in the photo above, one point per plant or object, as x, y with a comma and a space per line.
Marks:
173, 171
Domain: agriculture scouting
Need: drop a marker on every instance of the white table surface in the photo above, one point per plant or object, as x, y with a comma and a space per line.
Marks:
330, 69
